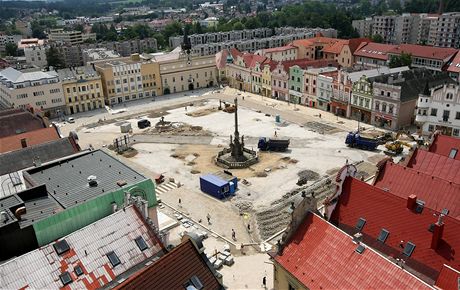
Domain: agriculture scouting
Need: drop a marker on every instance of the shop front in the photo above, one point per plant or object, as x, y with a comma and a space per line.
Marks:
339, 109
360, 114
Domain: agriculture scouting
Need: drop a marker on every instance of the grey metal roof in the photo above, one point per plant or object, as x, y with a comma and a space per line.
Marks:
24, 158
67, 180
89, 246
86, 72
12, 75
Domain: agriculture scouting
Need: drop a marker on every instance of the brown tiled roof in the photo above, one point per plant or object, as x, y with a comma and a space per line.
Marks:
432, 52
174, 270
35, 137
14, 121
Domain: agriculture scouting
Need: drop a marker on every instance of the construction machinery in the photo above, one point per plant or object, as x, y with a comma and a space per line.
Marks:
355, 140
269, 144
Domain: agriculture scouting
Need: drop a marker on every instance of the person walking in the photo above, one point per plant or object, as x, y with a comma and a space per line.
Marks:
180, 202
264, 282
208, 216
249, 227
233, 235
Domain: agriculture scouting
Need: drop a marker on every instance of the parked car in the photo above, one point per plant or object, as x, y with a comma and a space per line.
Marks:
71, 120
144, 123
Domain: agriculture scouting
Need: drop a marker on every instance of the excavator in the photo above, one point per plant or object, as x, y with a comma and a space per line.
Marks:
396, 146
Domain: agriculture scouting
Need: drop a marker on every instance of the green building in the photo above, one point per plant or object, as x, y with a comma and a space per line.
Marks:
295, 84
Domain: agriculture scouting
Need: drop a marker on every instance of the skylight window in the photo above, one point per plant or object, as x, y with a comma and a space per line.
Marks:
360, 224
78, 270
140, 242
420, 205
65, 278
61, 247
409, 249
453, 153
383, 235
194, 283
113, 258
360, 249
445, 211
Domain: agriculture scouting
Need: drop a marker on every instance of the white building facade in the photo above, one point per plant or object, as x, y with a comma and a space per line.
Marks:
39, 90
440, 111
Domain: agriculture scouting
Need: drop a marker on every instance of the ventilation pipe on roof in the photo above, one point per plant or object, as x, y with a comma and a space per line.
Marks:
19, 212
411, 201
437, 232
4, 216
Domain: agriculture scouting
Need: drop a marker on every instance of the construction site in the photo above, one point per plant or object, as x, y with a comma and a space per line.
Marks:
183, 140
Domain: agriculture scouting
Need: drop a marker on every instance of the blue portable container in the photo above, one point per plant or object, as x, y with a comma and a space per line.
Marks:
215, 186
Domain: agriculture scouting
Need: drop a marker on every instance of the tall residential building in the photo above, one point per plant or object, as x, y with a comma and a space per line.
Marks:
39, 90
70, 37
129, 78
385, 27
5, 39
363, 26
445, 32
82, 89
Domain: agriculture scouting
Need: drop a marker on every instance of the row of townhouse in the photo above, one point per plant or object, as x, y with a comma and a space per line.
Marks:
107, 82
382, 97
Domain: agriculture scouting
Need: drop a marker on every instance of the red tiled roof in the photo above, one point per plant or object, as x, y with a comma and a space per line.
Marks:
235, 52
221, 58
35, 137
251, 59
336, 47
443, 144
374, 50
384, 210
306, 62
439, 53
313, 41
448, 279
435, 164
455, 65
12, 121
278, 49
173, 270
321, 256
437, 193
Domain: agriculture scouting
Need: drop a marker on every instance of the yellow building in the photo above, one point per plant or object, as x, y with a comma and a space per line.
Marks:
129, 78
181, 72
267, 78
82, 89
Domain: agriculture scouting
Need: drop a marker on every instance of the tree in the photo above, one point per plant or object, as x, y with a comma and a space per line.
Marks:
377, 38
238, 26
54, 58
11, 49
405, 59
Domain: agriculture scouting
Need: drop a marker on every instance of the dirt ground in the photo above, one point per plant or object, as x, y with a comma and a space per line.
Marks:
201, 159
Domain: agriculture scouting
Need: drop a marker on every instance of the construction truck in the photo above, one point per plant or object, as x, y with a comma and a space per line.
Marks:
273, 144
354, 140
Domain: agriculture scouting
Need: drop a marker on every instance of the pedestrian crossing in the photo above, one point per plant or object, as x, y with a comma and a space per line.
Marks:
165, 187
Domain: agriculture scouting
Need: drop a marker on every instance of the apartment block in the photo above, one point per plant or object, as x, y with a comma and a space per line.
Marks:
70, 37
39, 90
363, 26
385, 27
4, 39
129, 78
82, 88
445, 32
98, 54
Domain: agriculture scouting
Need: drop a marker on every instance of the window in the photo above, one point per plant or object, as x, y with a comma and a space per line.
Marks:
433, 112
360, 224
445, 115
78, 270
453, 153
360, 249
409, 249
430, 128
113, 258
456, 132
61, 247
65, 278
457, 116
383, 235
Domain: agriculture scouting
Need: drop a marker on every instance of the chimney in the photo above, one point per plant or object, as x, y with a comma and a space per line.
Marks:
411, 201
24, 142
437, 232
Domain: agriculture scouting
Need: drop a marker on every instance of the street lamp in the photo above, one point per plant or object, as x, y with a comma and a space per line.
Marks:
359, 118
